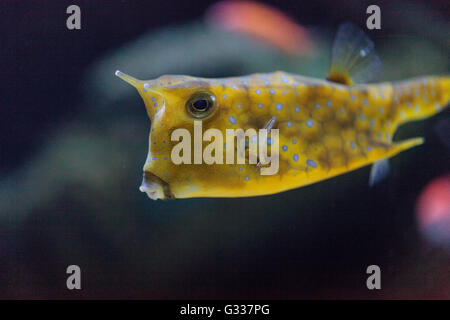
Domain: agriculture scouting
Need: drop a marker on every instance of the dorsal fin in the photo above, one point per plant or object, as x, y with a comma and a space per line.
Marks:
353, 58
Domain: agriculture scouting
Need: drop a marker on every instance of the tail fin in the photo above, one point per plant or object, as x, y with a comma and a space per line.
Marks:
420, 98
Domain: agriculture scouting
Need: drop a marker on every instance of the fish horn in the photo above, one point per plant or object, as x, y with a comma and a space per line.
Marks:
129, 79
150, 93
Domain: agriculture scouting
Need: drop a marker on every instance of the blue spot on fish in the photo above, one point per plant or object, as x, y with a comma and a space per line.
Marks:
294, 141
311, 163
232, 120
285, 148
289, 124
309, 123
279, 106
295, 157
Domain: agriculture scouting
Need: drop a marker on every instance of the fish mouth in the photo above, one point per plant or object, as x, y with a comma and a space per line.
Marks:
155, 187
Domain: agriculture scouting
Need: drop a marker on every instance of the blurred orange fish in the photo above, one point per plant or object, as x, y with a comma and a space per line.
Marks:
433, 209
263, 22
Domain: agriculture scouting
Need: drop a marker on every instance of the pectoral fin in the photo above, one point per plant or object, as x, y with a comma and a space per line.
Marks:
268, 126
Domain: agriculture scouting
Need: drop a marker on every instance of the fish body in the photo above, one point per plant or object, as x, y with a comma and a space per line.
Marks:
326, 128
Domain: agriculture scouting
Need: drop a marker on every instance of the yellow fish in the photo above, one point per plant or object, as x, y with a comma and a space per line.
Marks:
326, 127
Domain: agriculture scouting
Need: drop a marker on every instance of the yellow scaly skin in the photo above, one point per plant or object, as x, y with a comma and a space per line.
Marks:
328, 128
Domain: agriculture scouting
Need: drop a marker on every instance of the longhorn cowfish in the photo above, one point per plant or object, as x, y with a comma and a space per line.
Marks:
326, 127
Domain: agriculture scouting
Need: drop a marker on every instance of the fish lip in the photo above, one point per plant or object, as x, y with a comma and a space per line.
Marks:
155, 187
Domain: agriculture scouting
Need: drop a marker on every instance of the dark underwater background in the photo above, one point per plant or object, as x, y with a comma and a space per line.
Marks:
73, 139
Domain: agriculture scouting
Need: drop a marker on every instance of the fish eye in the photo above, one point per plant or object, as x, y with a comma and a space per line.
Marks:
201, 104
